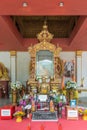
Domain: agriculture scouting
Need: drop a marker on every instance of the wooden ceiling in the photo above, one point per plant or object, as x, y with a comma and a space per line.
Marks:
59, 26
19, 25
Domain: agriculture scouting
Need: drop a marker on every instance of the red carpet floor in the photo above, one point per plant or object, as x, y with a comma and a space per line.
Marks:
66, 125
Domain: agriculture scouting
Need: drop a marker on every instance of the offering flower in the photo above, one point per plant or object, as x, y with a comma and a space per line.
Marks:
22, 102
71, 85
19, 113
16, 85
83, 112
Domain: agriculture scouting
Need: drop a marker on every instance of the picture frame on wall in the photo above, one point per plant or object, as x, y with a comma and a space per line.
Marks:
69, 69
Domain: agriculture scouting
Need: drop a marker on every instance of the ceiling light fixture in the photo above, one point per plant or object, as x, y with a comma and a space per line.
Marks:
24, 4
61, 4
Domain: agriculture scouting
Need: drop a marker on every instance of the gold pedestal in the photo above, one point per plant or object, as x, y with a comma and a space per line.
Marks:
14, 97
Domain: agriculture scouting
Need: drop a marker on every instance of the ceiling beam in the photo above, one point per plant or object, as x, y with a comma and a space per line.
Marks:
79, 31
38, 7
19, 21
9, 36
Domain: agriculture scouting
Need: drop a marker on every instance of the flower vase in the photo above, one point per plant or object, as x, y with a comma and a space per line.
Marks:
19, 119
14, 97
69, 95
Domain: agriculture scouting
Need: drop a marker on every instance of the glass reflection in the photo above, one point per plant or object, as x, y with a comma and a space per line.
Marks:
44, 64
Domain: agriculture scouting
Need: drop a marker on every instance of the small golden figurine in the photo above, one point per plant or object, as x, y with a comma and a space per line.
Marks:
51, 106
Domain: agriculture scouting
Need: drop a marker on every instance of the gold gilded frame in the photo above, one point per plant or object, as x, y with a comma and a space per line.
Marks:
45, 37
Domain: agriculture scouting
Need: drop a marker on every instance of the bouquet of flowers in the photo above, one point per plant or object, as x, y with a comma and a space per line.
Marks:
71, 91
22, 102
16, 85
83, 113
71, 85
19, 114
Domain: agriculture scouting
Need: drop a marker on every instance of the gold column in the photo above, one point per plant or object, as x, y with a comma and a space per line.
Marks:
13, 65
13, 75
79, 66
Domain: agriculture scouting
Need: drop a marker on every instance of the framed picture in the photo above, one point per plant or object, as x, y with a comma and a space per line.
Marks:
69, 69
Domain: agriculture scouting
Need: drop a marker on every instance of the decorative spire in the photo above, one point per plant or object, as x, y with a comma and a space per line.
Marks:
45, 35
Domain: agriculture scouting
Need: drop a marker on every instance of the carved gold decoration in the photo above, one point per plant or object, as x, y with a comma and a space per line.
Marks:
58, 67
44, 45
32, 68
45, 37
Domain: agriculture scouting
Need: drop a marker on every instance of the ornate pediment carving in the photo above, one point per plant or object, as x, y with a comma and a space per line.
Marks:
44, 37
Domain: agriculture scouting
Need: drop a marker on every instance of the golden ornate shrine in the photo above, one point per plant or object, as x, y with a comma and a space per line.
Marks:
46, 47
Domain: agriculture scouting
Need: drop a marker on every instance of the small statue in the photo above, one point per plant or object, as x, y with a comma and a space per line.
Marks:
51, 106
